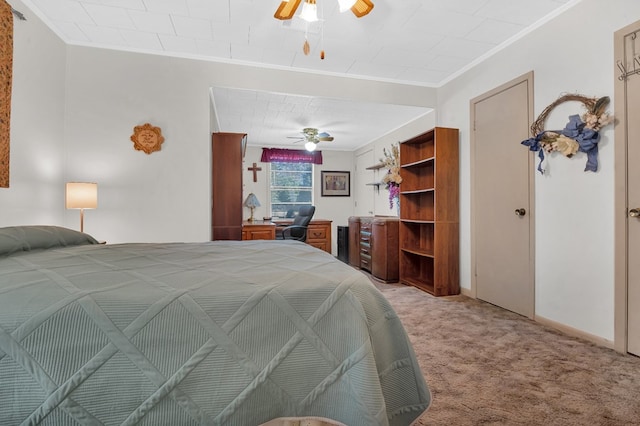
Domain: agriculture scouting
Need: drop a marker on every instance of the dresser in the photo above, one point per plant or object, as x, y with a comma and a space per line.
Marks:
374, 245
318, 233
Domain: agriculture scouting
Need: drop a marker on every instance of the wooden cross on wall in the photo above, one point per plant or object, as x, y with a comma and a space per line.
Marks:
255, 169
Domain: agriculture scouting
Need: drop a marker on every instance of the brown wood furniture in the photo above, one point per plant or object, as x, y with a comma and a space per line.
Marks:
318, 233
227, 152
373, 245
429, 205
354, 241
258, 230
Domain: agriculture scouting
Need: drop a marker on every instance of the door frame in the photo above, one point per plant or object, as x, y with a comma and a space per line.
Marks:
620, 203
528, 79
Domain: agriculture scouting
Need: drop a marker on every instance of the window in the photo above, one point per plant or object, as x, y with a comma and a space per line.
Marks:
291, 186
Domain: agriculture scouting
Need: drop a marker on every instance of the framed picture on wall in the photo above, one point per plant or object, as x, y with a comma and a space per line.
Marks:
335, 184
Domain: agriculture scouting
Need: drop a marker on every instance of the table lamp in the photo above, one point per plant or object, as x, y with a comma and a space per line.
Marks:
82, 195
252, 202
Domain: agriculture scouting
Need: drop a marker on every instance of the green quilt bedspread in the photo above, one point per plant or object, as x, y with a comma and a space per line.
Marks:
215, 333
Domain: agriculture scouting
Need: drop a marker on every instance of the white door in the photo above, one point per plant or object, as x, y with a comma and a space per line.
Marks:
364, 194
502, 203
628, 130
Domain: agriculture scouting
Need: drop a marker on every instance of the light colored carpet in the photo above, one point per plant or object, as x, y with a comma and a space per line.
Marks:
488, 366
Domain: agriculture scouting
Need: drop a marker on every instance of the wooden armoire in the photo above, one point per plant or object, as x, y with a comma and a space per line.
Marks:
227, 152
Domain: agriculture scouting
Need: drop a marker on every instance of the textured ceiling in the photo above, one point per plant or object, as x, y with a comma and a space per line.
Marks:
422, 42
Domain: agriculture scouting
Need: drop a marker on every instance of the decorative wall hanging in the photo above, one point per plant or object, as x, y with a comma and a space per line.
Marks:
6, 68
147, 138
392, 179
580, 134
335, 184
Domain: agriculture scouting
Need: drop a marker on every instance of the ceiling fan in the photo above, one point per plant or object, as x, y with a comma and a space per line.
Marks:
309, 13
311, 136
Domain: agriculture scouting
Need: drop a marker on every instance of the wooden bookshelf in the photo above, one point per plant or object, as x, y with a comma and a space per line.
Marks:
429, 212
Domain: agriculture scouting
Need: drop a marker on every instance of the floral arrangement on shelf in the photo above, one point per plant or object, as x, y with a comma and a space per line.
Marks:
392, 179
580, 134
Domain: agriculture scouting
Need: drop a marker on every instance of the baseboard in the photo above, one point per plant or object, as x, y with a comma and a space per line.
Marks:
574, 332
570, 331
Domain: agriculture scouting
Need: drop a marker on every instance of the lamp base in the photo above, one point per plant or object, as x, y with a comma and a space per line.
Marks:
251, 218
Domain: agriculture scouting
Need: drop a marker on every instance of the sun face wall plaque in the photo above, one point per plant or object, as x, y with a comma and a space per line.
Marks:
147, 138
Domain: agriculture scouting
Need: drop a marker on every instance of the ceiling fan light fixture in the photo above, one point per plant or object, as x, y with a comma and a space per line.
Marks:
309, 11
287, 9
346, 4
310, 146
362, 7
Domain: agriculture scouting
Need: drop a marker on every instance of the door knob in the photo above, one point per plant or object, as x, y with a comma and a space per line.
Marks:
522, 212
634, 212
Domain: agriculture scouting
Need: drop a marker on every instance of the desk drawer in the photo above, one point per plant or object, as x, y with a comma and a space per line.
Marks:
316, 233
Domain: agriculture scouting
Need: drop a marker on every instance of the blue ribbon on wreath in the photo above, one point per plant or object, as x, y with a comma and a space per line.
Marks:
575, 129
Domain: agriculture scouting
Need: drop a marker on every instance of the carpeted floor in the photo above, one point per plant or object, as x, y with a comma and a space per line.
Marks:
488, 366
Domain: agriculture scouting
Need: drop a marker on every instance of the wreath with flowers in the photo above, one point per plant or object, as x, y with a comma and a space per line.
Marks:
582, 133
392, 179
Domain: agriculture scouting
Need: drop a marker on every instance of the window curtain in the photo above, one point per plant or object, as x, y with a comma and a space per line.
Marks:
290, 156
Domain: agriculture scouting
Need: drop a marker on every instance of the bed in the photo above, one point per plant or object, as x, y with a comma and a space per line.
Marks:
214, 333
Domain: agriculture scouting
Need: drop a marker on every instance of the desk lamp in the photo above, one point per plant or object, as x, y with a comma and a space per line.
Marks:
252, 202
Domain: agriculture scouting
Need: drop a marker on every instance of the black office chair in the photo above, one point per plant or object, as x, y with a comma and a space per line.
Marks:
298, 229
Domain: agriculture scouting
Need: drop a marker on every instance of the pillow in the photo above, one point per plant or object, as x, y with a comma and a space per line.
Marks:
25, 238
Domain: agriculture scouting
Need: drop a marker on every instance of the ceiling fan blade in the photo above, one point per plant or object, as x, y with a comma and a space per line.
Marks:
287, 9
325, 137
361, 8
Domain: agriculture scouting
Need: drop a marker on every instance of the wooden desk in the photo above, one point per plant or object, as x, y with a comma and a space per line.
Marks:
318, 233
258, 230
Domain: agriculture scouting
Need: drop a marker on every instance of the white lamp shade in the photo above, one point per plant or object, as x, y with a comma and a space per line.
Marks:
310, 146
309, 11
82, 195
346, 4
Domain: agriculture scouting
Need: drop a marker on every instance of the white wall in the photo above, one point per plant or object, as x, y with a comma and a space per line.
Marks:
36, 192
574, 209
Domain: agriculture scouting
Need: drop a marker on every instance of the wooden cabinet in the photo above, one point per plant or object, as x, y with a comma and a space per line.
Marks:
373, 245
227, 152
318, 233
384, 253
429, 210
354, 241
258, 230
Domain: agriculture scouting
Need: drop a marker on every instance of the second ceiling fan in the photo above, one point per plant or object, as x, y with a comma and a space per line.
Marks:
311, 136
